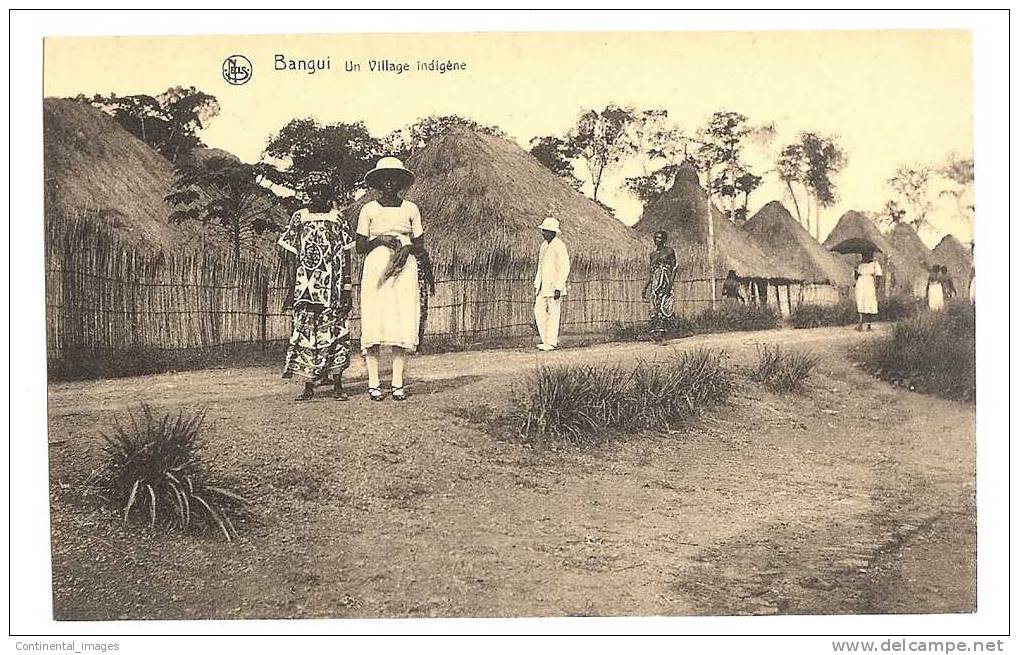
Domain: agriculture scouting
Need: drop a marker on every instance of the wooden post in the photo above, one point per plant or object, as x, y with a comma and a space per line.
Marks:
263, 312
711, 238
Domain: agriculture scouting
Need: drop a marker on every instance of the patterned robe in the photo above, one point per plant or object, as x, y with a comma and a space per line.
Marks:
663, 263
320, 343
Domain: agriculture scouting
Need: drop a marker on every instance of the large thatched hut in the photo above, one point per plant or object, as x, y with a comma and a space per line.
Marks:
826, 276
481, 199
902, 275
98, 175
682, 211
905, 240
954, 256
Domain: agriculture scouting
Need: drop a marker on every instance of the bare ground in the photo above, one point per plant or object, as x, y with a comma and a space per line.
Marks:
854, 497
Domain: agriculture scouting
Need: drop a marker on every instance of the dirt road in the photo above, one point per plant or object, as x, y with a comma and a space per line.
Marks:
855, 497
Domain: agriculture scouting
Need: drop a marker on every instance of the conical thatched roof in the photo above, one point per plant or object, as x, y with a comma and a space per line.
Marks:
682, 211
955, 257
481, 195
904, 274
96, 168
908, 243
781, 236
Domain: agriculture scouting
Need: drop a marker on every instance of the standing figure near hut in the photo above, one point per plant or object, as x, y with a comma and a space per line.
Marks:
732, 290
947, 284
935, 290
658, 289
550, 284
322, 293
390, 235
867, 272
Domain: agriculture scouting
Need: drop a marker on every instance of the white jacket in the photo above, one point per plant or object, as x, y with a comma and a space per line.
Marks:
553, 268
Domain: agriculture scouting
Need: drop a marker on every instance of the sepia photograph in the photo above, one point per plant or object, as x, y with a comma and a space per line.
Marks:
510, 324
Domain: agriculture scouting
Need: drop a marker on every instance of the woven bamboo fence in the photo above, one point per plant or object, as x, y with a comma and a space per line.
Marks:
103, 298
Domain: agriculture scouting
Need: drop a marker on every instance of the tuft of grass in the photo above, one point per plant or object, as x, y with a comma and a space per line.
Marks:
581, 404
783, 371
153, 472
812, 316
725, 317
737, 317
932, 352
898, 307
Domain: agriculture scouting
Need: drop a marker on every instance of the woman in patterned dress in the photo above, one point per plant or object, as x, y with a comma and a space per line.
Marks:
390, 234
322, 292
658, 289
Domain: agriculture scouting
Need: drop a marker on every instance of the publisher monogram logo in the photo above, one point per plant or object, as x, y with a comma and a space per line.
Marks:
237, 69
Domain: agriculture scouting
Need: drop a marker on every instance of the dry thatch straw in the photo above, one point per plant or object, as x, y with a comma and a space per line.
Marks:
94, 167
956, 258
903, 275
908, 243
482, 197
682, 211
781, 236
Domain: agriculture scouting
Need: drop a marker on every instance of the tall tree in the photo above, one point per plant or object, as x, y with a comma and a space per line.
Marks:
222, 193
791, 167
169, 122
810, 165
601, 141
557, 155
959, 172
658, 148
746, 184
911, 185
343, 151
825, 158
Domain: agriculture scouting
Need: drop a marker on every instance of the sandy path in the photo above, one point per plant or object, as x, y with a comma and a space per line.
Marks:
832, 501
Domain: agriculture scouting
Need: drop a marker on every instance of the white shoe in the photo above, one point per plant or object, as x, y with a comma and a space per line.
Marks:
544, 347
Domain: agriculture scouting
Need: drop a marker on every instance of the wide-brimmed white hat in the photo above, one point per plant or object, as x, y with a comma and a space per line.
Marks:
551, 224
389, 165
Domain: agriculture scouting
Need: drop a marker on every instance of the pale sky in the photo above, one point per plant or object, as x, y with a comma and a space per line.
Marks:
891, 97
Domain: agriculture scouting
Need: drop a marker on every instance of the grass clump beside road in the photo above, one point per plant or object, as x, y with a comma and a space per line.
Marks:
581, 403
782, 371
932, 352
153, 472
813, 316
725, 317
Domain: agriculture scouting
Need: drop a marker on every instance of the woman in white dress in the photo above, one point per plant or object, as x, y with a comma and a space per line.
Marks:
390, 234
867, 273
935, 290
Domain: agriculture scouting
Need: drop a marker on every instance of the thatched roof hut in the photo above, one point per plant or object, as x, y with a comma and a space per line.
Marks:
96, 170
908, 243
682, 211
954, 256
482, 197
902, 273
782, 237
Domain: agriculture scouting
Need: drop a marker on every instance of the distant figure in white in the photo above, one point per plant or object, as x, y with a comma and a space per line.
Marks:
867, 273
390, 234
550, 284
935, 290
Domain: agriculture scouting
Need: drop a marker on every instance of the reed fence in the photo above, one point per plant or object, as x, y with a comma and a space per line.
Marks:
104, 299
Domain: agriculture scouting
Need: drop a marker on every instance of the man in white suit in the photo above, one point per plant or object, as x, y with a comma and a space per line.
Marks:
550, 284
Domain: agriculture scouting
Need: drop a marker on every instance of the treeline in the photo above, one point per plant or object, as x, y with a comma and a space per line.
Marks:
732, 154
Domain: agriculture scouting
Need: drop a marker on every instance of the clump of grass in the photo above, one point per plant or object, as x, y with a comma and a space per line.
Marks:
781, 370
812, 316
153, 472
898, 307
725, 317
932, 352
737, 317
582, 403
